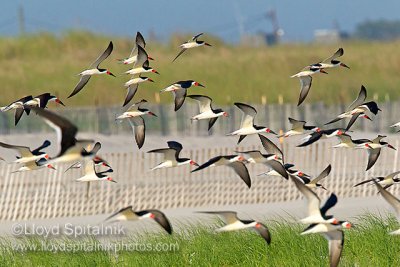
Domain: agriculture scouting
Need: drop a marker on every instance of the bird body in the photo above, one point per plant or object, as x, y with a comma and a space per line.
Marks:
93, 70
171, 156
233, 223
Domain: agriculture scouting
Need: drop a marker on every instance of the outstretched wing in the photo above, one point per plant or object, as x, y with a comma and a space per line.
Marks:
248, 114
270, 147
305, 86
139, 128
322, 175
337, 54
103, 56
362, 95
180, 53
227, 216
204, 102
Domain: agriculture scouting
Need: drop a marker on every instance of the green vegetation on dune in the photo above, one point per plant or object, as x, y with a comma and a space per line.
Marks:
37, 63
366, 244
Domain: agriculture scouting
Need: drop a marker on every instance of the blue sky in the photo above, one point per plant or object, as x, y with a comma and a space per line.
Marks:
220, 17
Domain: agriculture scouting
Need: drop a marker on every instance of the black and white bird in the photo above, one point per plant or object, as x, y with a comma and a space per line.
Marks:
134, 116
91, 175
315, 136
305, 77
331, 62
179, 90
42, 100
192, 43
206, 110
93, 70
26, 154
171, 156
386, 181
247, 125
19, 106
233, 161
346, 141
35, 165
129, 214
289, 169
315, 213
69, 148
393, 201
333, 233
137, 57
97, 160
373, 147
274, 159
233, 223
298, 128
145, 68
358, 109
314, 183
132, 85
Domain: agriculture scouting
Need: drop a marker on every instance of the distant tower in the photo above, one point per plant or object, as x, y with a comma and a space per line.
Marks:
273, 38
21, 20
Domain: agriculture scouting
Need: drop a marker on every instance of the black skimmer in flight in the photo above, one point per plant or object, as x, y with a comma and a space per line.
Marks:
25, 153
233, 161
393, 201
386, 181
35, 165
179, 90
171, 156
233, 223
315, 136
325, 227
331, 61
19, 107
334, 235
134, 115
316, 214
93, 70
347, 142
98, 161
313, 183
206, 110
305, 77
358, 109
42, 100
91, 175
247, 125
192, 43
374, 149
143, 69
288, 167
273, 159
70, 149
129, 214
132, 86
298, 128
137, 58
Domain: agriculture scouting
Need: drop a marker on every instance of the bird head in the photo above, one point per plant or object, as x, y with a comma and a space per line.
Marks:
344, 65
191, 162
197, 84
111, 179
109, 73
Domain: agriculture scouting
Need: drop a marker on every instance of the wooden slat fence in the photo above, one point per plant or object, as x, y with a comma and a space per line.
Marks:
48, 194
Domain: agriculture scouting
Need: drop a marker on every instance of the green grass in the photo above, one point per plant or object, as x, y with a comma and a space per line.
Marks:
367, 244
43, 62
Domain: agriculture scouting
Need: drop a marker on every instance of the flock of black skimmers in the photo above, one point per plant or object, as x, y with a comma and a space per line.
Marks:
83, 153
